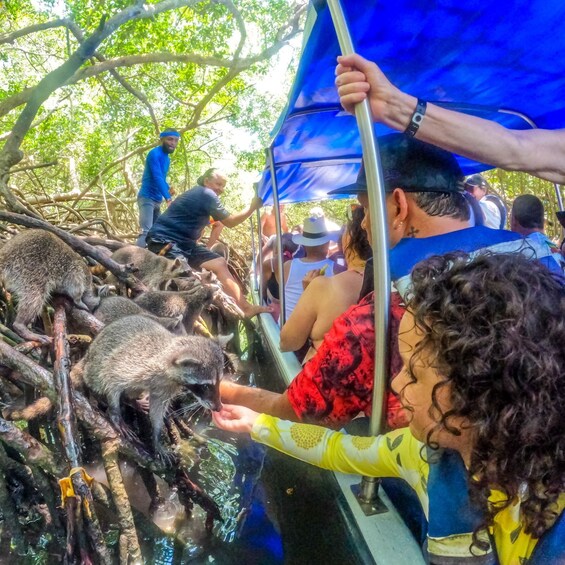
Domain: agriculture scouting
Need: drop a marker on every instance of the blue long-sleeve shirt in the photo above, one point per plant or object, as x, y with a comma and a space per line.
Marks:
154, 184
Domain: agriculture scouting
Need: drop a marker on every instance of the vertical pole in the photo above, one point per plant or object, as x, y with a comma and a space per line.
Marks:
280, 266
376, 193
559, 197
254, 259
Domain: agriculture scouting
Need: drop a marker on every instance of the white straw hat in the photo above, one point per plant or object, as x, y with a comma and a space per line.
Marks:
314, 232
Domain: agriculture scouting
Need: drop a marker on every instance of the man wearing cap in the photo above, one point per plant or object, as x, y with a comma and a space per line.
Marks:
154, 187
493, 209
181, 225
315, 239
427, 214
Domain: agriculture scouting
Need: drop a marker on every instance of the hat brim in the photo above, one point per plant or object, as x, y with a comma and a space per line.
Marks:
299, 239
350, 189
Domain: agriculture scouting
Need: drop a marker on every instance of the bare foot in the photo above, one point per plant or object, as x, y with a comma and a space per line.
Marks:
253, 310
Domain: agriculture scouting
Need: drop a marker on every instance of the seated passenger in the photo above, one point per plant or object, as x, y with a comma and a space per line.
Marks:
528, 215
268, 222
426, 215
493, 208
315, 239
269, 277
325, 298
528, 218
483, 387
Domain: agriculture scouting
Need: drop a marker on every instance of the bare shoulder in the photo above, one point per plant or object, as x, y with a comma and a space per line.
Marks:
347, 285
319, 285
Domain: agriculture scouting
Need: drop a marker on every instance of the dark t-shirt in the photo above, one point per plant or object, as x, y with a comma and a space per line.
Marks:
188, 215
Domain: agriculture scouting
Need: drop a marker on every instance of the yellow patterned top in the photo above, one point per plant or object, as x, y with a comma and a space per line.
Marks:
395, 454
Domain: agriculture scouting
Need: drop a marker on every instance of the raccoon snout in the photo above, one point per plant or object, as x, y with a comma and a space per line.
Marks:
216, 405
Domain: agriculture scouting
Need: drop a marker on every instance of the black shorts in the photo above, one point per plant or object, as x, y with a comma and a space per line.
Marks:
195, 253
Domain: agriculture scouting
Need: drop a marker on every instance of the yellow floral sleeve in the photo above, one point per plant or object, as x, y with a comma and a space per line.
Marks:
396, 454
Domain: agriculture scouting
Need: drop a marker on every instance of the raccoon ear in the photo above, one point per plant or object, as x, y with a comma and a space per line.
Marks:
177, 264
223, 340
185, 360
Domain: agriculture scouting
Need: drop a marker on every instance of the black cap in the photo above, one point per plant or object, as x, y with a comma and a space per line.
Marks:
413, 166
477, 180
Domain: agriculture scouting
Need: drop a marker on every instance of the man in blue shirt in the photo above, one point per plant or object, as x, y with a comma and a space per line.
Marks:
181, 225
154, 187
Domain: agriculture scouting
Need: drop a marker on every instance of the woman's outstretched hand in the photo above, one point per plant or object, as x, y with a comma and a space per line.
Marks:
234, 418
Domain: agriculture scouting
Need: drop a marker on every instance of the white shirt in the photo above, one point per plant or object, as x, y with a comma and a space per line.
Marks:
293, 288
491, 214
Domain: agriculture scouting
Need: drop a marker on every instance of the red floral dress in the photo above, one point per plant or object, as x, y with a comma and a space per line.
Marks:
337, 383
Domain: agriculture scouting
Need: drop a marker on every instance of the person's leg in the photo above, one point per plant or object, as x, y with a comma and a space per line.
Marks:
156, 211
220, 268
146, 216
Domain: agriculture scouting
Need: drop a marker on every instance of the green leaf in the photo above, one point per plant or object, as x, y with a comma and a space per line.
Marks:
515, 533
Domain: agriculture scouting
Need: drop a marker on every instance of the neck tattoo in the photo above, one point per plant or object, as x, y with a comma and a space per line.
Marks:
412, 231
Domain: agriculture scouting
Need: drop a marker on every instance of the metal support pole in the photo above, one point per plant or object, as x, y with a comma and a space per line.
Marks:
255, 258
559, 197
377, 210
260, 253
278, 227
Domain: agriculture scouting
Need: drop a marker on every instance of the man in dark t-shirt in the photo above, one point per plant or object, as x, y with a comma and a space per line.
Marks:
182, 225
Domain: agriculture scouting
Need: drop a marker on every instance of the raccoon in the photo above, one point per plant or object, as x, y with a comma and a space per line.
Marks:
35, 265
113, 308
189, 304
136, 354
153, 270
184, 283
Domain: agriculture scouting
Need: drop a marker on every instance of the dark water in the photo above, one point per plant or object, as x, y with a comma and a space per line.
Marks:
275, 510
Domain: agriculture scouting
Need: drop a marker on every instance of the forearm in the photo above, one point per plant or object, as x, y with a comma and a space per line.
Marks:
236, 219
258, 399
326, 448
539, 152
164, 188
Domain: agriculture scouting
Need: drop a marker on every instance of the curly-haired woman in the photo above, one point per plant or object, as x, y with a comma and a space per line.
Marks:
484, 385
326, 298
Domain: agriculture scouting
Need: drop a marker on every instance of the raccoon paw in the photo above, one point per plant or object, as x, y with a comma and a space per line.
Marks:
167, 457
129, 434
28, 335
125, 431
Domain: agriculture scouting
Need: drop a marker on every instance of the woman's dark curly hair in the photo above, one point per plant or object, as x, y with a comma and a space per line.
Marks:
358, 242
495, 330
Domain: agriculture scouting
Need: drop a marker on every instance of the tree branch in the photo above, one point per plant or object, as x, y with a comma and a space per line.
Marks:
11, 37
10, 153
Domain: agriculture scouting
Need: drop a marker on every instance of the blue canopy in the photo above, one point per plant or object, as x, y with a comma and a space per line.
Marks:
477, 57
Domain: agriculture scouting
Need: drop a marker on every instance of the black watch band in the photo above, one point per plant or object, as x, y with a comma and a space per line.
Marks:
416, 118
